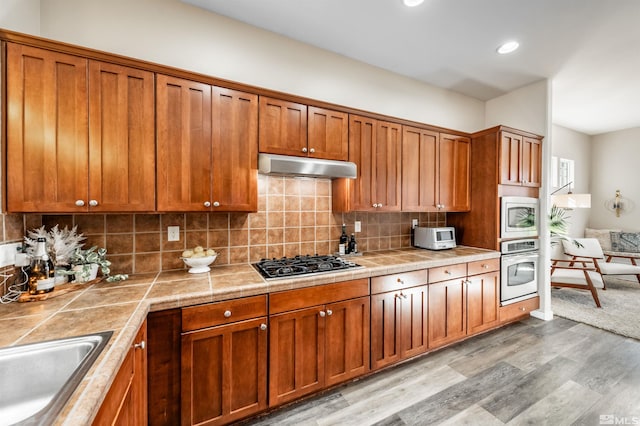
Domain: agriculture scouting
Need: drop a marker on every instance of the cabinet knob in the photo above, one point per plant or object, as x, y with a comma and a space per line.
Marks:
375, 205
312, 150
322, 313
93, 203
263, 327
79, 203
400, 281
216, 204
227, 314
207, 203
523, 309
447, 272
142, 345
379, 204
304, 149
485, 266
329, 312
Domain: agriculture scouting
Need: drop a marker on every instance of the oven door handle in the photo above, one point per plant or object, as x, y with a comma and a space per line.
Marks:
519, 256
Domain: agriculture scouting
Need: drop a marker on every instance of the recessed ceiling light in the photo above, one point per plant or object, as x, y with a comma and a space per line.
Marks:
412, 3
508, 47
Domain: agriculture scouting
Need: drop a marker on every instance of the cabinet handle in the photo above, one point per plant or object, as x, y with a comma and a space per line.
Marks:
93, 203
263, 327
216, 204
322, 314
400, 281
207, 203
227, 314
142, 345
401, 296
304, 149
447, 272
312, 150
79, 203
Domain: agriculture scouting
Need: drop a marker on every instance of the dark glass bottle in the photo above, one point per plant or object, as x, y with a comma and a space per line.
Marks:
40, 277
353, 245
344, 240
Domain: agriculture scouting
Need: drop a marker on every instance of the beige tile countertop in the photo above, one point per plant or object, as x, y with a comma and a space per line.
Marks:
123, 306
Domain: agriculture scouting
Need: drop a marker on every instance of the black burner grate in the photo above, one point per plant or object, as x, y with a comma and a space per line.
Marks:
301, 265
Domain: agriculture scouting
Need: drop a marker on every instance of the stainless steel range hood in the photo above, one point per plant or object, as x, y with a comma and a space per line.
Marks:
303, 166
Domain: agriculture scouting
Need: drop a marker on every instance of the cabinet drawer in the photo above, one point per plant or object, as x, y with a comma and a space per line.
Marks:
291, 300
448, 272
518, 310
482, 266
395, 282
218, 313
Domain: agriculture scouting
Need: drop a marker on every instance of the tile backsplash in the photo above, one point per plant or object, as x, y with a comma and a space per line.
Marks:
294, 217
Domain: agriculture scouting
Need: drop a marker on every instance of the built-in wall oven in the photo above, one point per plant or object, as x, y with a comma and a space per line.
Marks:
519, 270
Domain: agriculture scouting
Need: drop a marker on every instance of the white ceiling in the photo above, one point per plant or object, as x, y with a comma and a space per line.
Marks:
589, 48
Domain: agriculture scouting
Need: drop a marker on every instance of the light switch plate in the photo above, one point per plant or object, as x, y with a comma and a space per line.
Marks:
414, 223
173, 233
358, 226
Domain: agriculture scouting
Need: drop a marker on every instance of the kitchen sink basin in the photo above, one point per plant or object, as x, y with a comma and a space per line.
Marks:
37, 379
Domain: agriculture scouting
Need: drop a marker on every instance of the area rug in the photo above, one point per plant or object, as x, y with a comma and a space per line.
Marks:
620, 312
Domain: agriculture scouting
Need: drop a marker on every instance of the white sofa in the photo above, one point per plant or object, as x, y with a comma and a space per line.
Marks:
610, 247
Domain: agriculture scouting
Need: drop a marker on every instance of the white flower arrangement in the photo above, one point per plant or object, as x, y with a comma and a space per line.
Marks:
60, 243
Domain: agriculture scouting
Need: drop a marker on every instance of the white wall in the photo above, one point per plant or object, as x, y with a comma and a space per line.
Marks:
176, 34
20, 15
615, 164
525, 108
575, 146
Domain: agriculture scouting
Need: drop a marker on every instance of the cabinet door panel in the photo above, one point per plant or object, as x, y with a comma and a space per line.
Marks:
235, 150
347, 340
386, 311
121, 138
362, 134
388, 166
414, 321
483, 302
224, 373
184, 148
283, 127
454, 163
296, 354
531, 162
447, 312
328, 134
419, 169
47, 130
510, 158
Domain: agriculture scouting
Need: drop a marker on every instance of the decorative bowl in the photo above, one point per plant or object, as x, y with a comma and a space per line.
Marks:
199, 265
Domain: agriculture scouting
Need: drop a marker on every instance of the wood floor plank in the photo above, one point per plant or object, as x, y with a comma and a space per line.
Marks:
473, 416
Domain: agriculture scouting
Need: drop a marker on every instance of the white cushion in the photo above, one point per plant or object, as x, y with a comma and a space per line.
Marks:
576, 276
609, 268
602, 235
589, 247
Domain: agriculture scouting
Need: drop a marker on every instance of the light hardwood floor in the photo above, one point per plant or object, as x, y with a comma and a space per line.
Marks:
533, 372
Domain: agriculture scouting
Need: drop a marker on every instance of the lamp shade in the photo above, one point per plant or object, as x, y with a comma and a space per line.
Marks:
571, 201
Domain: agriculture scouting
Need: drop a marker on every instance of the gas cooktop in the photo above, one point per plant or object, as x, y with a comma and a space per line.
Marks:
302, 265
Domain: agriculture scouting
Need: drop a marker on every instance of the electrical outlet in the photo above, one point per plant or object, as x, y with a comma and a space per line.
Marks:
8, 254
357, 226
173, 233
414, 223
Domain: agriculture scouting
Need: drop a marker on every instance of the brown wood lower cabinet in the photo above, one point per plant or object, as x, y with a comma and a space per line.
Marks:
447, 312
319, 336
126, 401
224, 366
483, 301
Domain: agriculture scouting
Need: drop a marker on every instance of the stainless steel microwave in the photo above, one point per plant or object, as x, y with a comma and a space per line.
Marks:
434, 238
518, 217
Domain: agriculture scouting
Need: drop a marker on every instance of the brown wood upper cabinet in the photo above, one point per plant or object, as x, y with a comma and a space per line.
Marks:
435, 171
80, 137
520, 159
207, 147
290, 128
375, 147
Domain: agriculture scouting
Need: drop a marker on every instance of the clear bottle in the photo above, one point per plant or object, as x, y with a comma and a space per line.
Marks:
353, 245
344, 240
40, 278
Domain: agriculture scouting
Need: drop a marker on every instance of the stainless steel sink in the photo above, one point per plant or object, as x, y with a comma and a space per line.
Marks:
37, 379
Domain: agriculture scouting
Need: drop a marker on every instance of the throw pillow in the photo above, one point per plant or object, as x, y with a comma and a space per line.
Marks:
628, 242
603, 236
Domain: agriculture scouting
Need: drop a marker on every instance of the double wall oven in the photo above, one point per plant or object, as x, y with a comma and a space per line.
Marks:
519, 247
